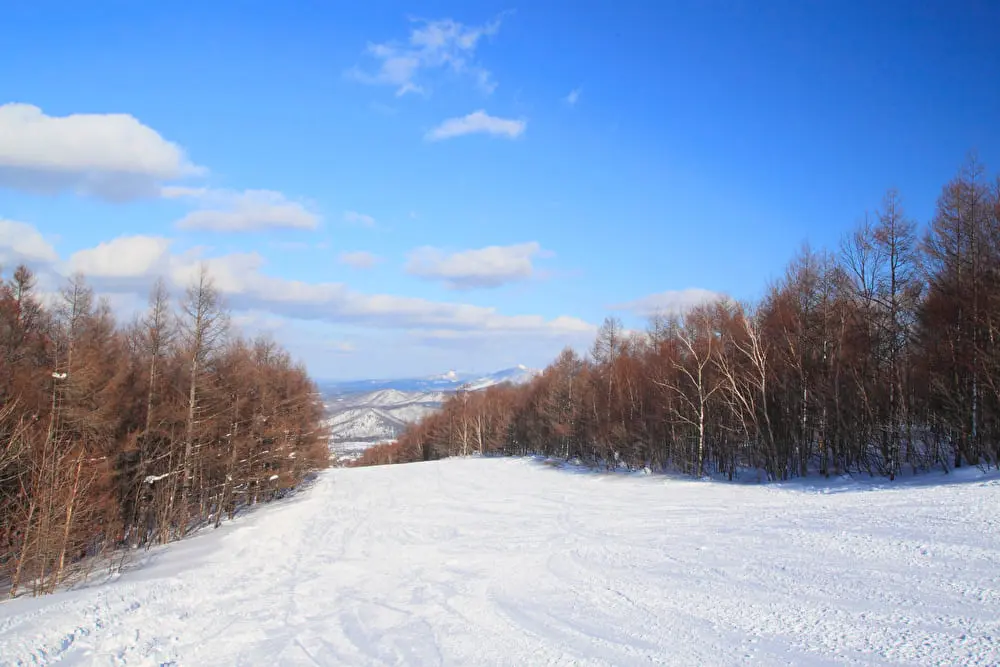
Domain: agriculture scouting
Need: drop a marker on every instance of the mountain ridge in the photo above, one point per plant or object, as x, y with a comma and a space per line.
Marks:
365, 412
451, 379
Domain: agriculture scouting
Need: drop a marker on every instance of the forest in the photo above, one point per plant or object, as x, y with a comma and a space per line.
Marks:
114, 437
881, 357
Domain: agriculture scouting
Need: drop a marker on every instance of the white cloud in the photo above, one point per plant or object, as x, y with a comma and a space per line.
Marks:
258, 322
124, 257
246, 211
355, 218
20, 242
359, 259
558, 326
340, 346
241, 279
477, 122
671, 302
128, 265
573, 97
111, 156
441, 44
447, 333
483, 267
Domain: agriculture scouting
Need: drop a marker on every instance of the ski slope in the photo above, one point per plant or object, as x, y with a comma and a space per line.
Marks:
509, 562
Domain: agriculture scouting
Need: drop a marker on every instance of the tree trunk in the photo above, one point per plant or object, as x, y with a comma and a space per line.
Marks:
70, 506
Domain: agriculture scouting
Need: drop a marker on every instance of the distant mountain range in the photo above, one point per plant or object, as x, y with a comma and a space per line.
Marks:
450, 381
365, 412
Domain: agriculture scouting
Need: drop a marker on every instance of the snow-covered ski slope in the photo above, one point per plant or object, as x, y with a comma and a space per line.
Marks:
509, 562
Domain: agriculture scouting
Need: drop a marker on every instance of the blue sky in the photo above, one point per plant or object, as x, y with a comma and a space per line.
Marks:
398, 189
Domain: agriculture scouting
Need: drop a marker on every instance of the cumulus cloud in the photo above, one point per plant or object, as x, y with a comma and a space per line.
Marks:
20, 242
492, 266
573, 97
359, 259
432, 45
246, 211
124, 257
671, 302
241, 278
477, 122
130, 264
110, 156
355, 218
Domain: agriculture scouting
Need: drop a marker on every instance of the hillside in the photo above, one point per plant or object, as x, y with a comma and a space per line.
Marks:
361, 413
377, 416
505, 561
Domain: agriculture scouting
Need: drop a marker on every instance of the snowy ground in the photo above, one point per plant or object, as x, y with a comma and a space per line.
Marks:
349, 451
480, 561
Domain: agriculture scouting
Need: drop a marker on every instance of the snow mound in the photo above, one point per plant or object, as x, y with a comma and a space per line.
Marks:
500, 561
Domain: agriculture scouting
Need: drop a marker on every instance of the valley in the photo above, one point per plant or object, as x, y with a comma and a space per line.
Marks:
361, 413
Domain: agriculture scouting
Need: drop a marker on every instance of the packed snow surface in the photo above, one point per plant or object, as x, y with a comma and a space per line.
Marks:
500, 561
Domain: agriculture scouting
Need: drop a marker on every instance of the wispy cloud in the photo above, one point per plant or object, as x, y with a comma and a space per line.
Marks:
431, 45
671, 302
492, 266
355, 218
243, 281
109, 156
477, 122
259, 322
383, 109
124, 269
340, 346
573, 97
246, 211
359, 259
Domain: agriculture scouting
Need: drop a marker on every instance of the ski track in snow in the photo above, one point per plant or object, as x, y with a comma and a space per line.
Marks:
506, 562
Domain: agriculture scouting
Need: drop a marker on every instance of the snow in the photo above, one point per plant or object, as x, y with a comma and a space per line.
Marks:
357, 424
382, 414
504, 561
379, 415
343, 452
153, 479
520, 374
391, 397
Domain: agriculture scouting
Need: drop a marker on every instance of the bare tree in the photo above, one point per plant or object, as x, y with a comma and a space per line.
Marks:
156, 337
204, 324
695, 383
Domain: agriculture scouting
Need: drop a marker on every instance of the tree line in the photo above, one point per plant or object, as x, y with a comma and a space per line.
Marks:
879, 357
116, 437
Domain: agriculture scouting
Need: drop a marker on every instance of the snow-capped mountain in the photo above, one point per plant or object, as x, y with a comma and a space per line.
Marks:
448, 381
378, 415
520, 374
369, 411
